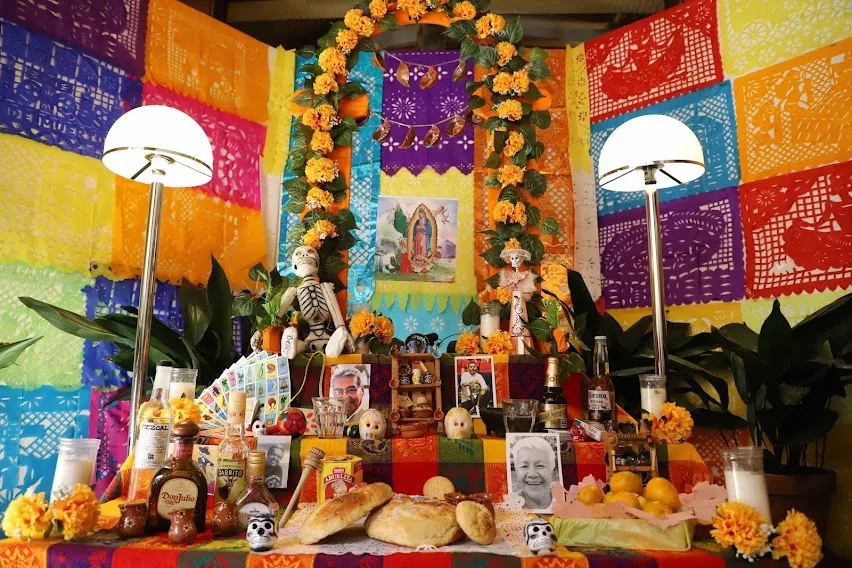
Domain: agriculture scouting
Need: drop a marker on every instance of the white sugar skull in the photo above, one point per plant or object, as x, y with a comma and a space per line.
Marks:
539, 537
372, 425
305, 262
458, 424
258, 428
261, 534
515, 257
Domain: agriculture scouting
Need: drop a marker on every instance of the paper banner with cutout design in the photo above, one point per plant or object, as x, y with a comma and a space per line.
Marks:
702, 252
196, 56
281, 88
654, 59
108, 423
795, 307
426, 317
760, 33
710, 114
57, 208
796, 115
237, 145
798, 232
58, 95
700, 316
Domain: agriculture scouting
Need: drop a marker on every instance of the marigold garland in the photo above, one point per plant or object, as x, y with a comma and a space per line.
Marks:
318, 198
322, 142
323, 118
378, 9
505, 52
27, 517
185, 410
510, 175
464, 11
347, 40
489, 25
503, 211
467, 344
498, 344
798, 541
510, 110
332, 60
513, 144
320, 170
743, 527
504, 295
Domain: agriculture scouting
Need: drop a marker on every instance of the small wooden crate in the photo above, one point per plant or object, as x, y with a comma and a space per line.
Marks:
431, 391
638, 442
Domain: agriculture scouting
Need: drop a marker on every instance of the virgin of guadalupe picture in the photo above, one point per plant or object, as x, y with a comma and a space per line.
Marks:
416, 239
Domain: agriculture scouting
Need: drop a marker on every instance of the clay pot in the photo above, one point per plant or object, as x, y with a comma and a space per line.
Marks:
224, 521
809, 492
272, 338
132, 521
414, 430
182, 529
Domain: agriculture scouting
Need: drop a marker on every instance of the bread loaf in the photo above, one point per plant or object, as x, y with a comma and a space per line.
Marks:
476, 521
338, 513
411, 523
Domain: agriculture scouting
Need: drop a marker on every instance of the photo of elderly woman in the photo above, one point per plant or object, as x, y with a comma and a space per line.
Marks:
534, 464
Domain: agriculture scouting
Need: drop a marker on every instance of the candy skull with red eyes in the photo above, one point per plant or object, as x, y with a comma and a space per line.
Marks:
458, 424
372, 425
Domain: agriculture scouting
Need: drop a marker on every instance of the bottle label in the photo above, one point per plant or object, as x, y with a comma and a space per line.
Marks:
250, 510
554, 416
230, 479
151, 445
236, 414
176, 494
599, 400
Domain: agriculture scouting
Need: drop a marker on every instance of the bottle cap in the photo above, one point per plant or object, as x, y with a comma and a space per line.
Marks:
256, 463
599, 337
185, 430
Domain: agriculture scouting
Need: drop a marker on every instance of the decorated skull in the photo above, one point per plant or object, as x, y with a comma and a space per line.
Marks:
258, 428
458, 424
539, 537
305, 261
372, 425
261, 534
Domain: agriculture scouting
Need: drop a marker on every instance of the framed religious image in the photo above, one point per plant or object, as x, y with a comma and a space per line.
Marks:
475, 383
351, 382
535, 463
277, 450
416, 239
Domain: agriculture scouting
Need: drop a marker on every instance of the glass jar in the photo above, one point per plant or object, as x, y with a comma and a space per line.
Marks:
652, 393
744, 478
331, 415
76, 464
182, 383
489, 320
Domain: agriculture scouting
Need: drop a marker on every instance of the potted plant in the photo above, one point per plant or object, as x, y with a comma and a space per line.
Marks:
262, 306
787, 377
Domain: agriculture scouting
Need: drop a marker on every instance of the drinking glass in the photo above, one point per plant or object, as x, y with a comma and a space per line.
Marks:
520, 414
331, 414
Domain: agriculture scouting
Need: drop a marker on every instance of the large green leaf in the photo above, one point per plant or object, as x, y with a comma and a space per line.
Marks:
162, 337
219, 300
705, 418
471, 313
69, 322
195, 311
775, 344
583, 304
738, 336
632, 336
9, 352
540, 329
720, 384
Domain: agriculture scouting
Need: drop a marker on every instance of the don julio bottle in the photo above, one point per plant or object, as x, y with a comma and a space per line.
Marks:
554, 407
601, 390
152, 441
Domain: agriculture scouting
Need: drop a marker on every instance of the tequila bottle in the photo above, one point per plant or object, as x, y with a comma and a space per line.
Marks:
153, 430
233, 451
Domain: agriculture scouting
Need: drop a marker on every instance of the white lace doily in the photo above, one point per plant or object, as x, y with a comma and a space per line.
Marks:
354, 540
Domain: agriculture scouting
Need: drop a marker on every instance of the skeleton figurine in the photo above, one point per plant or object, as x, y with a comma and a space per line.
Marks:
522, 284
261, 533
317, 305
539, 537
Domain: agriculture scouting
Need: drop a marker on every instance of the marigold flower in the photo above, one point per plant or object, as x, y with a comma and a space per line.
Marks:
311, 238
512, 243
510, 174
510, 110
464, 11
383, 329
365, 26
294, 319
321, 118
519, 215
520, 82
78, 512
741, 526
325, 83
378, 9
322, 142
499, 343
467, 344
325, 229
798, 540
332, 60
27, 517
504, 295
502, 83
503, 211
415, 8
490, 24
361, 324
185, 410
352, 18
513, 144
347, 40
505, 52
674, 424
320, 170
318, 198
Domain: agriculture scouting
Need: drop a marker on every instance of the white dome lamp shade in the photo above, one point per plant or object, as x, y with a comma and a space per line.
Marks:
160, 146
157, 143
648, 153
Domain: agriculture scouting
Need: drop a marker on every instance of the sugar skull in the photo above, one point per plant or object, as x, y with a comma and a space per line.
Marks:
261, 534
372, 425
458, 424
258, 428
539, 537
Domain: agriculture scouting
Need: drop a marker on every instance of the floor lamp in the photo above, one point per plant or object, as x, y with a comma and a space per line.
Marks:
649, 153
160, 146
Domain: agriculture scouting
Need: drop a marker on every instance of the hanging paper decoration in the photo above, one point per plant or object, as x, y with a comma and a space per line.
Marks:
429, 78
277, 143
402, 73
58, 95
409, 139
455, 126
460, 72
432, 137
108, 423
382, 132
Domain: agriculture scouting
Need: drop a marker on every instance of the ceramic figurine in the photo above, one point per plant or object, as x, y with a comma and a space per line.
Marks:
225, 522
523, 286
458, 424
261, 534
182, 530
493, 419
258, 428
539, 537
372, 425
132, 521
294, 422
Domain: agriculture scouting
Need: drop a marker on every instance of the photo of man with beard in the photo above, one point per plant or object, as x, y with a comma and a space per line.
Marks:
352, 383
534, 464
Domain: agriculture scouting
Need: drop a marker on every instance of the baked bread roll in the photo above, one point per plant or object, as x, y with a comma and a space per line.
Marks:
476, 521
338, 513
438, 486
411, 523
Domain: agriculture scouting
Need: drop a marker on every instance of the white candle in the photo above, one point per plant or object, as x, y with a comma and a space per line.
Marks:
70, 471
748, 487
652, 399
181, 390
489, 324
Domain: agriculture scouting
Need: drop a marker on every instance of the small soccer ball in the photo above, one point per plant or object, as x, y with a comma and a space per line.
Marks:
293, 423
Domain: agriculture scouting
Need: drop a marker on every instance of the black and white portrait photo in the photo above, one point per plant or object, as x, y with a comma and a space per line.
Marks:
534, 464
475, 383
277, 450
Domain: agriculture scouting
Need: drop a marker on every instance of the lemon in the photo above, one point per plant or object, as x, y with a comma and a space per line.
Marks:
662, 490
631, 499
591, 494
608, 498
642, 501
657, 509
625, 481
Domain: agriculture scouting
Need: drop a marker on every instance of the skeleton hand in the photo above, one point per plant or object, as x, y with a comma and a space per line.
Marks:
341, 342
291, 345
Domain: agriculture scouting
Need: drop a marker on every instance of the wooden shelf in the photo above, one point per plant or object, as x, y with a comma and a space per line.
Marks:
421, 386
430, 419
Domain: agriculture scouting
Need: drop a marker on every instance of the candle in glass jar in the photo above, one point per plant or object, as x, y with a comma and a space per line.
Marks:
652, 393
489, 320
72, 471
744, 478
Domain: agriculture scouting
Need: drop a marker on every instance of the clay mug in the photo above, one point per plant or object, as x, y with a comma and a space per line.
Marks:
182, 529
132, 521
224, 521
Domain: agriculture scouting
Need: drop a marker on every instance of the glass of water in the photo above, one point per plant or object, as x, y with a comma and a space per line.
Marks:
331, 415
519, 414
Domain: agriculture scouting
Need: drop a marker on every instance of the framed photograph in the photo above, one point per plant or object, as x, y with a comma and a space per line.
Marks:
475, 383
534, 464
351, 382
277, 450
